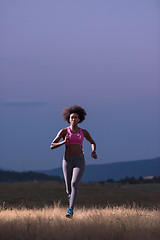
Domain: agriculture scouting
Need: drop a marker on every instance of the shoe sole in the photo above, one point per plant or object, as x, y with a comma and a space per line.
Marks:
69, 216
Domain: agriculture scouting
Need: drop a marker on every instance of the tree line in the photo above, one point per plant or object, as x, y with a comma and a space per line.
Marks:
12, 176
133, 180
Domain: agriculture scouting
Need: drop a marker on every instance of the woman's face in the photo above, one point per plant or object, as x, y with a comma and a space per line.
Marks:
74, 119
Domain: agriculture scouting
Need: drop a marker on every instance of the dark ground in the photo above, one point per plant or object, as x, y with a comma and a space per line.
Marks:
40, 194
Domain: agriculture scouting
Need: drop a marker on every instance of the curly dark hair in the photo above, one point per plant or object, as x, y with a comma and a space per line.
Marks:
74, 109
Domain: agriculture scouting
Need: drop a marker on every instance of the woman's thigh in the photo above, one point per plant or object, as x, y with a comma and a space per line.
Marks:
78, 169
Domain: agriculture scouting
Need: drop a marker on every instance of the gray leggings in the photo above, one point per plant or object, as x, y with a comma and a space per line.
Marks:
73, 169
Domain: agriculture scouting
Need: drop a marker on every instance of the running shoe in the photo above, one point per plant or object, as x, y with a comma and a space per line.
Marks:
69, 213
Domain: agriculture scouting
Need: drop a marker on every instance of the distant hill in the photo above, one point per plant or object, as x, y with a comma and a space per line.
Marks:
12, 176
116, 171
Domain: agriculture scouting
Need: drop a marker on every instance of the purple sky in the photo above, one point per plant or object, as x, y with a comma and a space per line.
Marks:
102, 55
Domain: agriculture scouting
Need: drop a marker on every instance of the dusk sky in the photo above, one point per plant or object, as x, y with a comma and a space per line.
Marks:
102, 55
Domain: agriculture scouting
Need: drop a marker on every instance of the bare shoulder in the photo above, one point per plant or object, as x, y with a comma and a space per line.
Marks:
87, 136
62, 132
85, 132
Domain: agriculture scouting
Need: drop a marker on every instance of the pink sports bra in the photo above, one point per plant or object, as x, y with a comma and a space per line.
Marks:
75, 138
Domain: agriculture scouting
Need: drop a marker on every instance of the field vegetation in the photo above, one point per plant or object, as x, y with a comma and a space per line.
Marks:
103, 211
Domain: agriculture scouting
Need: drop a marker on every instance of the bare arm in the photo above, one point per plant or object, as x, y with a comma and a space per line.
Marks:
92, 142
61, 134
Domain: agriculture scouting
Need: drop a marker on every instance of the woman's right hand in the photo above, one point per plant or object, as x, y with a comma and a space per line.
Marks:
66, 138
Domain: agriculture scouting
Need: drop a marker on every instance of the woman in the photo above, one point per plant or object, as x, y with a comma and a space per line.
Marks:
73, 162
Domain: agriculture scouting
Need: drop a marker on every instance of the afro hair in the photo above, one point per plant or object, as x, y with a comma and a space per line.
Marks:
74, 109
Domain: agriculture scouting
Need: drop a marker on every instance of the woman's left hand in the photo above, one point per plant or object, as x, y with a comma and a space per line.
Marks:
94, 155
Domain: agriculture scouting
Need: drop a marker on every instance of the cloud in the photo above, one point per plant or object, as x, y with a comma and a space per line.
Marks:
27, 103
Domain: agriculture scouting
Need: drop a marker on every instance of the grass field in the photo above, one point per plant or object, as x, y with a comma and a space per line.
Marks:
40, 194
145, 187
103, 211
116, 223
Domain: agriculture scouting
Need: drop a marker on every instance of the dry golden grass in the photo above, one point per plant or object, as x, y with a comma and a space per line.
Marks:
111, 223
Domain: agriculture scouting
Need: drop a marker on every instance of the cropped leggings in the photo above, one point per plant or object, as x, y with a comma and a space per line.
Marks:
73, 169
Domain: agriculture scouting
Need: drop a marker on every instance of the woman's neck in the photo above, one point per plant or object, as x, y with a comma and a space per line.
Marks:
74, 128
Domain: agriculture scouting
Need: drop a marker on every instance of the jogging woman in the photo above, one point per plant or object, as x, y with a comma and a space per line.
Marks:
73, 164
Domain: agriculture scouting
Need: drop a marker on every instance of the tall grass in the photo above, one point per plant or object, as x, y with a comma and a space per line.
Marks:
111, 223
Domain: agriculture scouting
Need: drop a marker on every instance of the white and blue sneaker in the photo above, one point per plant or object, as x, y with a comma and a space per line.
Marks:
69, 213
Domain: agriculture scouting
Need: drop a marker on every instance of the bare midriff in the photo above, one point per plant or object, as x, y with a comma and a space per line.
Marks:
73, 150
